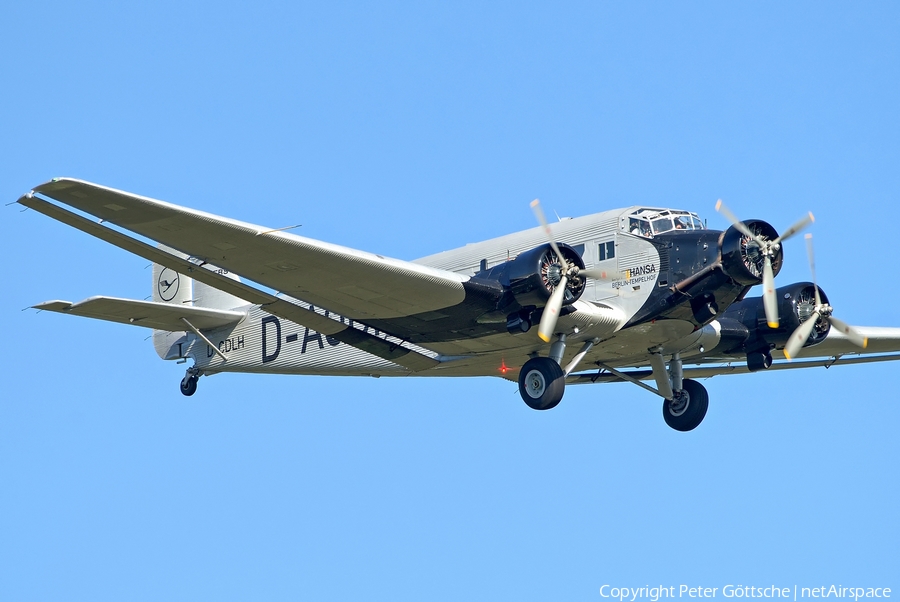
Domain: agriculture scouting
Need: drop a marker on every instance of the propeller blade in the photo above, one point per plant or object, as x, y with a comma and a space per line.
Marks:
812, 267
539, 213
800, 336
855, 337
741, 227
770, 302
551, 311
851, 333
795, 228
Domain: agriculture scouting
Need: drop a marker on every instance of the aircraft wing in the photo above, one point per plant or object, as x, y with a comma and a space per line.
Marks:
315, 318
879, 340
352, 283
149, 314
883, 345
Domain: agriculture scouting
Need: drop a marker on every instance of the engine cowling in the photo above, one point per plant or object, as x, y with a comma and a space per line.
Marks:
796, 303
533, 276
742, 258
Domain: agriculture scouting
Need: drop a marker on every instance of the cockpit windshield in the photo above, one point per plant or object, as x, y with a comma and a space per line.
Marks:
650, 222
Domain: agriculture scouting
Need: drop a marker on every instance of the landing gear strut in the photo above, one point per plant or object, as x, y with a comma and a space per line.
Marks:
189, 382
687, 408
685, 401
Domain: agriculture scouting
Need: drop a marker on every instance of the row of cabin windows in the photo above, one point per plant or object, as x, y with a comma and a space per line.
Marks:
607, 251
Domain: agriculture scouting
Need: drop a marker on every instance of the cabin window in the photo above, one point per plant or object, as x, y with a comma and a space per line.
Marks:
607, 250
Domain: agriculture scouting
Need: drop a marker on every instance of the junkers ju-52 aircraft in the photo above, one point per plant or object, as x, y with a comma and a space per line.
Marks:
635, 294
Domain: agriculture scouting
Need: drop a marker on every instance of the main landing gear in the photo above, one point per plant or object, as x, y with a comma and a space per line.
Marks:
686, 410
189, 382
542, 382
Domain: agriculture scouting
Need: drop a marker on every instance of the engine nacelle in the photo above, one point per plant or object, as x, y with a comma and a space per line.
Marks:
532, 276
742, 258
796, 303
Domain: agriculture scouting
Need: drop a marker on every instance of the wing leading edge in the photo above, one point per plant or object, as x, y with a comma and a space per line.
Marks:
351, 283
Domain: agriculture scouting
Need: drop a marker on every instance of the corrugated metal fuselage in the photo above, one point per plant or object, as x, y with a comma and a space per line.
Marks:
637, 309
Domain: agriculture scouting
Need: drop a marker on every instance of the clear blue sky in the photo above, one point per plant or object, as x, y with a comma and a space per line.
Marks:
406, 129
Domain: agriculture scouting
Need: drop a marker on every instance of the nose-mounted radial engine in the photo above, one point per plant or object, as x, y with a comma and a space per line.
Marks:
752, 253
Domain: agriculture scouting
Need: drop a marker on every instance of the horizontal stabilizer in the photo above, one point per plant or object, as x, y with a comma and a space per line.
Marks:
149, 314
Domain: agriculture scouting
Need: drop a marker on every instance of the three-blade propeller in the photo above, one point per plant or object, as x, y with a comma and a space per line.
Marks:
554, 304
822, 310
547, 327
768, 249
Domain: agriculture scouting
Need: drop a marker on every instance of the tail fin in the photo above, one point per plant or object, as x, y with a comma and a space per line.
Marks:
172, 287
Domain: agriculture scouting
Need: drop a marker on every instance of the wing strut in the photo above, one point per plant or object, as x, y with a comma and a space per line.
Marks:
629, 378
203, 336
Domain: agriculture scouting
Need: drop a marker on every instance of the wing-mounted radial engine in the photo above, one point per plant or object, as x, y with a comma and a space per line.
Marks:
542, 283
562, 274
806, 320
533, 276
530, 281
744, 328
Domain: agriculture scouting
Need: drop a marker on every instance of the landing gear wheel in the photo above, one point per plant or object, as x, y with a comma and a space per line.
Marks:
686, 411
189, 384
541, 383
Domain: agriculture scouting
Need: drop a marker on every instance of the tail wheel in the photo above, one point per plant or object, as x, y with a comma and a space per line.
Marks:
189, 385
688, 408
541, 383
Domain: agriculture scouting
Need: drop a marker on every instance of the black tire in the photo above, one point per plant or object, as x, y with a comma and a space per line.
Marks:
541, 383
687, 412
188, 385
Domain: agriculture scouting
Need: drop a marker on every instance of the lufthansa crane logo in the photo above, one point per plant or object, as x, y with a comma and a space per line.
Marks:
167, 285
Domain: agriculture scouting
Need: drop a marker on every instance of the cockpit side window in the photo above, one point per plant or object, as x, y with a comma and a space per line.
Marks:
639, 227
662, 225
